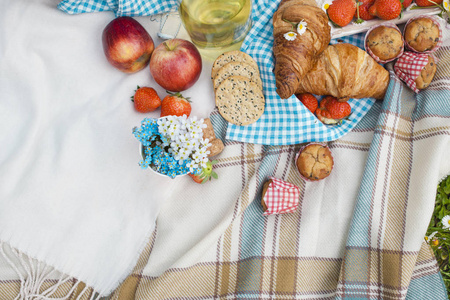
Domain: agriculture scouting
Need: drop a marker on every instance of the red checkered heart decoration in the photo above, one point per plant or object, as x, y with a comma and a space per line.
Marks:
281, 197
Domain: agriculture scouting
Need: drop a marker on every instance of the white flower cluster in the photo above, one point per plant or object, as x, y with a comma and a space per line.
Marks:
184, 137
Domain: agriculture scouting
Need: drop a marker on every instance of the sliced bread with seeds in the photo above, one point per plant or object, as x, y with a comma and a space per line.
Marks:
232, 56
239, 100
237, 68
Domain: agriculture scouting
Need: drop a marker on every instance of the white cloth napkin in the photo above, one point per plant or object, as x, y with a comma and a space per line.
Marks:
71, 191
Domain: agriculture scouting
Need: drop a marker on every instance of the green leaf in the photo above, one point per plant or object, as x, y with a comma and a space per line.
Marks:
445, 200
446, 189
441, 213
214, 175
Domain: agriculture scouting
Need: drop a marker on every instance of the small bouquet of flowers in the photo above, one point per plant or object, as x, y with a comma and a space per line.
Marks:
173, 145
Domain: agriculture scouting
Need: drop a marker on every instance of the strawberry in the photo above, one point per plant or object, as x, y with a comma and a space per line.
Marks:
386, 9
146, 99
175, 104
309, 101
362, 11
206, 174
428, 2
331, 111
341, 12
406, 3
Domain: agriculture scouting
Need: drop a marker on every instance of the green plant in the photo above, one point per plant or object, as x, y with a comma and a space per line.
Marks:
438, 233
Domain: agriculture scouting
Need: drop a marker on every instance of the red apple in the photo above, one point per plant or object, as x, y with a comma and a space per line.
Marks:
176, 65
127, 45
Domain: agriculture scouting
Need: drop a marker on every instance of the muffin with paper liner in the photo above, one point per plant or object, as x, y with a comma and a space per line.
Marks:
279, 197
417, 70
314, 162
384, 42
422, 34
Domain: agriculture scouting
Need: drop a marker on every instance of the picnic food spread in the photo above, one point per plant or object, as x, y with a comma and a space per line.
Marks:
321, 75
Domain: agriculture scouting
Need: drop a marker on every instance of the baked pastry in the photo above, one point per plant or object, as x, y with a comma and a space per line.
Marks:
427, 74
232, 56
295, 57
264, 191
345, 71
422, 34
279, 197
315, 162
385, 42
217, 145
239, 100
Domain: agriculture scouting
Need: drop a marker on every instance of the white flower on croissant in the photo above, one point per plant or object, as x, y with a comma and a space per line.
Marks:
301, 27
290, 36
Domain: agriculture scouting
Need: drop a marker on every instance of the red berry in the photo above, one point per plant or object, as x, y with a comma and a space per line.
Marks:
363, 10
175, 105
386, 9
331, 111
146, 99
196, 178
309, 101
406, 3
341, 12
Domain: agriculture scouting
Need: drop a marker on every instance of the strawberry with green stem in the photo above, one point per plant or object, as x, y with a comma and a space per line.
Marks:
145, 99
206, 174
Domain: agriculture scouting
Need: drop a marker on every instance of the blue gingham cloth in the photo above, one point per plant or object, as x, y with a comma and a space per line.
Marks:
120, 7
285, 121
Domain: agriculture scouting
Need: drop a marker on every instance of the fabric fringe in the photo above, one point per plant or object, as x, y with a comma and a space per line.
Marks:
36, 274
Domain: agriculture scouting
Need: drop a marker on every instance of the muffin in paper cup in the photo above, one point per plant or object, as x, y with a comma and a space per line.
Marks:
279, 197
384, 42
419, 36
416, 70
314, 162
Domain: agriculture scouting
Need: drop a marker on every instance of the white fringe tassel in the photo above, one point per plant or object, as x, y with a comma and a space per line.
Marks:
36, 273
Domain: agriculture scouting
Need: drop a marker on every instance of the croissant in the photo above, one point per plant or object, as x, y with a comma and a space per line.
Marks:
293, 59
345, 71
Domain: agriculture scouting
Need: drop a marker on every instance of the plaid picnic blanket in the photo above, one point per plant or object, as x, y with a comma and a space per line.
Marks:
348, 239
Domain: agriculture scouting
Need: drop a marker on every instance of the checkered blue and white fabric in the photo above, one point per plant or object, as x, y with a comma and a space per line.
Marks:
284, 122
120, 7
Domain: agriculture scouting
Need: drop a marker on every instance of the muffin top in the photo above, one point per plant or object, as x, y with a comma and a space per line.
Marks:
315, 162
385, 42
427, 74
422, 34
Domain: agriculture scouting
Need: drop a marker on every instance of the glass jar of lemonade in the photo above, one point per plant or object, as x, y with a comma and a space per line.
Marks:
216, 23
